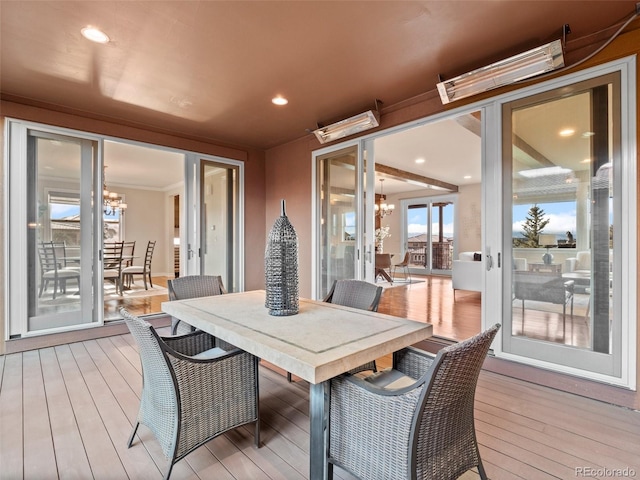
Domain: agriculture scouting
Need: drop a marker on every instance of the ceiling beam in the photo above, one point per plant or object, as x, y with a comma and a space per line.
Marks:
518, 142
413, 178
403, 175
471, 122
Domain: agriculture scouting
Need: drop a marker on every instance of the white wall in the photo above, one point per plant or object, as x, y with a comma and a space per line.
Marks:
470, 218
144, 221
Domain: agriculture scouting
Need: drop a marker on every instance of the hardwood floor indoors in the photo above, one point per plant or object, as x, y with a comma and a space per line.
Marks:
431, 300
143, 302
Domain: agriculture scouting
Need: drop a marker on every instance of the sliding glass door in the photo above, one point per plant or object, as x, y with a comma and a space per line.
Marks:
51, 233
567, 203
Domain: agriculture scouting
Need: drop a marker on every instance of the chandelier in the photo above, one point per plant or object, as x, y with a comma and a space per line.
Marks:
381, 208
112, 201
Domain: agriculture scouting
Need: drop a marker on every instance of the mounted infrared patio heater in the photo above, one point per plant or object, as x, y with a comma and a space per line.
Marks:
348, 126
545, 58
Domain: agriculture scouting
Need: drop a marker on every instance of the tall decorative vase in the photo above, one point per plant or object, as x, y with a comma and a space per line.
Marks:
281, 268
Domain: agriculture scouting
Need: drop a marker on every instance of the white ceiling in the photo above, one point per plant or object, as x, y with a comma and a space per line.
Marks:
142, 167
450, 151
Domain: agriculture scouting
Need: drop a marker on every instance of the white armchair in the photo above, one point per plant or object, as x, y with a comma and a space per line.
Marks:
466, 273
581, 263
520, 264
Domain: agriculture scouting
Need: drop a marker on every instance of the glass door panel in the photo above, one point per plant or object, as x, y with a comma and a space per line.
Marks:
219, 225
429, 230
59, 231
337, 179
442, 236
562, 152
417, 234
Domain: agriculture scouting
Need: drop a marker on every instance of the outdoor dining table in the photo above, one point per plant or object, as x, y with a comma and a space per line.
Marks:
320, 342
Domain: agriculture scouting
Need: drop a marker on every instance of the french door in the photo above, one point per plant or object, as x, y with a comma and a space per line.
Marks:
212, 214
54, 226
429, 234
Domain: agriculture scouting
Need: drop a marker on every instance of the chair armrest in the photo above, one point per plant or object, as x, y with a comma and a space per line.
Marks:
569, 288
195, 342
362, 383
190, 344
412, 362
570, 264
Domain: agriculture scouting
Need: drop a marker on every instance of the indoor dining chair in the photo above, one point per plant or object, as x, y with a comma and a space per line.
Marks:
144, 269
404, 264
52, 270
415, 420
112, 263
192, 391
128, 252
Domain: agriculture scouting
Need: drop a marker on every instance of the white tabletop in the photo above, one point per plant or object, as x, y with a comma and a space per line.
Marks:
323, 340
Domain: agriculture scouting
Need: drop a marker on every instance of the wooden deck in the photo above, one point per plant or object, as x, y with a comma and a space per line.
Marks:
66, 412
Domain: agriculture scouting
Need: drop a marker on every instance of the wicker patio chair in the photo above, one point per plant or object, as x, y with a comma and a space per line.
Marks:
356, 294
192, 392
411, 422
192, 286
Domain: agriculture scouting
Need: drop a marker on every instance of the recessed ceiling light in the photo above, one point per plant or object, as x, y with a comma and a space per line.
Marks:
279, 100
95, 35
467, 177
567, 132
588, 134
586, 160
419, 160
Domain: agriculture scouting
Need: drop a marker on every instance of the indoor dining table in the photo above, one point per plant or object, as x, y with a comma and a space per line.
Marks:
320, 342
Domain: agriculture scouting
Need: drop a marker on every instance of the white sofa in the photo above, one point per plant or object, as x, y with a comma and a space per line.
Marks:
466, 273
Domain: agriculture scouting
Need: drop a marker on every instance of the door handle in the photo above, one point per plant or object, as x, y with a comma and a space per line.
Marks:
489, 262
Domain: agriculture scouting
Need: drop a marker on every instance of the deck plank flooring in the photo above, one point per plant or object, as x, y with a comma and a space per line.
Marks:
67, 411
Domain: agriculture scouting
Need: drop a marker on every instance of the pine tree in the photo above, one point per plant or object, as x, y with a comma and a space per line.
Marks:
533, 226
